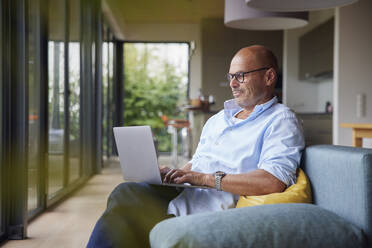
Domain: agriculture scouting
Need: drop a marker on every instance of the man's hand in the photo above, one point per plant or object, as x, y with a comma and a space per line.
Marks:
163, 171
187, 176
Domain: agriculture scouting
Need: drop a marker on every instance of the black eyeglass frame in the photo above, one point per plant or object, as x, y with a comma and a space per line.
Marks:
230, 76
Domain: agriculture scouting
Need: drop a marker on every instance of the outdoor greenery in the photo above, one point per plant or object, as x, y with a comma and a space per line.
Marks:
107, 81
154, 90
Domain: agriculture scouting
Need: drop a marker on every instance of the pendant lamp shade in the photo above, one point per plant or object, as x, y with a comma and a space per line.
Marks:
239, 15
297, 5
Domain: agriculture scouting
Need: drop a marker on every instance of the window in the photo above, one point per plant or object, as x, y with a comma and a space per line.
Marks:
107, 81
162, 69
56, 101
74, 91
34, 111
52, 96
1, 116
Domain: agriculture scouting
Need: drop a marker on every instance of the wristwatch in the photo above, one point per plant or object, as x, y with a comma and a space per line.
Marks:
218, 175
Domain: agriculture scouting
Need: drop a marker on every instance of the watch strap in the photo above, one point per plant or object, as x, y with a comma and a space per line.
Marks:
218, 177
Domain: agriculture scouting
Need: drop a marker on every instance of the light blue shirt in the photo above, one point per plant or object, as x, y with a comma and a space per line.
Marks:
270, 139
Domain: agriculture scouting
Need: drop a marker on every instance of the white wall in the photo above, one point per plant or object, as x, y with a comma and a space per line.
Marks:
220, 44
303, 96
172, 32
299, 96
325, 94
353, 67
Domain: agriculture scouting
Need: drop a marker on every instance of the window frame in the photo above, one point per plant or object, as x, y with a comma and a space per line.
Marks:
40, 72
2, 214
14, 108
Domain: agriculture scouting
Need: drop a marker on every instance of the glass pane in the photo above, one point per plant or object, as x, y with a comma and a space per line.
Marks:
107, 80
162, 69
34, 114
107, 73
110, 99
1, 107
74, 86
56, 103
74, 80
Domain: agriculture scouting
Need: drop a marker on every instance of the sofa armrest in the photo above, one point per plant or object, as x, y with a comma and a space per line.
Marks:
279, 225
341, 182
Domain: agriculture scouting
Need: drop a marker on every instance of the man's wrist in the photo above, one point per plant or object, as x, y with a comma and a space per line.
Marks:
209, 180
218, 175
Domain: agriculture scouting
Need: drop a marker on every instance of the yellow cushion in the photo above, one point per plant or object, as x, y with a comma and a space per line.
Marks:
296, 193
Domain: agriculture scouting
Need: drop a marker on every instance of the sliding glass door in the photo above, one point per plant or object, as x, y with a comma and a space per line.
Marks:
64, 152
107, 93
42, 54
74, 137
34, 114
162, 69
56, 99
1, 119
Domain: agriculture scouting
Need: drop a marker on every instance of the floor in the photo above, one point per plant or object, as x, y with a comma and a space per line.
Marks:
69, 224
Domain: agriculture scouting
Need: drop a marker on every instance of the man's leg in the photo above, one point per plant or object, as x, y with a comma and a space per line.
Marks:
132, 210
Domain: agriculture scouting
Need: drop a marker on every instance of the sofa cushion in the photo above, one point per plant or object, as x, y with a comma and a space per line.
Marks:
296, 193
276, 225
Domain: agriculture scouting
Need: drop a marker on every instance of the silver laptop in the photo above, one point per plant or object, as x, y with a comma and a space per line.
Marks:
138, 160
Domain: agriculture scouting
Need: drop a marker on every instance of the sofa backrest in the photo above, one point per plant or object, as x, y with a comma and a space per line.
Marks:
341, 181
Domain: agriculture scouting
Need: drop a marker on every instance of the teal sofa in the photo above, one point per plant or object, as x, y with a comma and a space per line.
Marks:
341, 216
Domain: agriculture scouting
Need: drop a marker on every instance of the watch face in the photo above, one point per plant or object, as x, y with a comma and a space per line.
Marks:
220, 173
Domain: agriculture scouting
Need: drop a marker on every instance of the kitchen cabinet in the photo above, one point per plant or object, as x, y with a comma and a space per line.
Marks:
317, 128
316, 53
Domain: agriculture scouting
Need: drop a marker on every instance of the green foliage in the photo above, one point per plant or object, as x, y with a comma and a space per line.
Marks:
153, 88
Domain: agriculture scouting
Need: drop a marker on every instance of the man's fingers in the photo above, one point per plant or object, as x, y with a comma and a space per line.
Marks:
164, 170
182, 179
190, 177
176, 174
167, 177
181, 176
172, 175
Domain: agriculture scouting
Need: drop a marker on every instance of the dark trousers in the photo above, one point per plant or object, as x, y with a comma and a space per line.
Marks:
133, 209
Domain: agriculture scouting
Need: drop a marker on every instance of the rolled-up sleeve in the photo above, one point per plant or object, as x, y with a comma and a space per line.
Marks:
283, 143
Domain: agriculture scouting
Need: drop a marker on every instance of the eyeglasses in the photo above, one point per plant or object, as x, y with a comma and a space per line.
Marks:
239, 76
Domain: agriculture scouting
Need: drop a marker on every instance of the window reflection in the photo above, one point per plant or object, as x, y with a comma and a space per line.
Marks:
56, 105
56, 116
74, 90
34, 114
74, 87
1, 112
107, 76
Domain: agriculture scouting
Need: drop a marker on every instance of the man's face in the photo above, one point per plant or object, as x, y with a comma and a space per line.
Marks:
253, 90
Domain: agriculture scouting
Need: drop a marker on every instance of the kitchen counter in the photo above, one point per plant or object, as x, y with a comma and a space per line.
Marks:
314, 113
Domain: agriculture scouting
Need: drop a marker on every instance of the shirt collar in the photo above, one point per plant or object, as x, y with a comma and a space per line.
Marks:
231, 108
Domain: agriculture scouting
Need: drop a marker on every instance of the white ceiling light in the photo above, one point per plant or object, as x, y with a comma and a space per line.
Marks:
296, 5
239, 15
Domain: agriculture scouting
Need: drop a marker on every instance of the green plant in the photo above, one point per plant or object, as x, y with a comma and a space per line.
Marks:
153, 88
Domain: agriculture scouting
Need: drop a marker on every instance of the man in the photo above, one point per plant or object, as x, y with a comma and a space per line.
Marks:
252, 147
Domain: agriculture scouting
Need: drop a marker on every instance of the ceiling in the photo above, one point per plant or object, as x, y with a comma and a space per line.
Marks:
166, 11
119, 13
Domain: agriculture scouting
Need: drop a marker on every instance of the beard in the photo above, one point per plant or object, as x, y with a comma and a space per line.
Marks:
246, 99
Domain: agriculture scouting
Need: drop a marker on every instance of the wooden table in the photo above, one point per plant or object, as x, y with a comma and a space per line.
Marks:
360, 131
